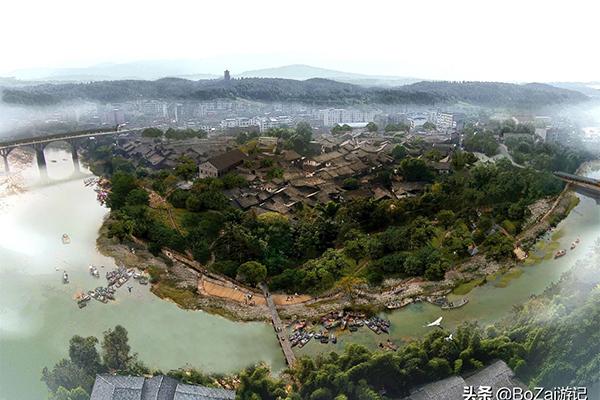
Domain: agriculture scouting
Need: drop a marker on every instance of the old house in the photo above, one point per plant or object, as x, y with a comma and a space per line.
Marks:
116, 387
219, 165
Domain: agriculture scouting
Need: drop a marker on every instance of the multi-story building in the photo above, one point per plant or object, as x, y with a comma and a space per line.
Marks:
334, 116
444, 121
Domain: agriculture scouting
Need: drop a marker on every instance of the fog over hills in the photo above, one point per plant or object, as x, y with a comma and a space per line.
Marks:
197, 70
315, 91
303, 72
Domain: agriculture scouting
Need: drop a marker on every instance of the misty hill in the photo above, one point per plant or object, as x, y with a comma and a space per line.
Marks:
145, 70
304, 72
498, 93
311, 91
591, 89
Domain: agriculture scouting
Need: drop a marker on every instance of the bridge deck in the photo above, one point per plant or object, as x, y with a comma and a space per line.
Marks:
577, 178
9, 144
282, 336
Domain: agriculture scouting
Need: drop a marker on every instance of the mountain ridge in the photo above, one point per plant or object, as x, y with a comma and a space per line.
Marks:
315, 91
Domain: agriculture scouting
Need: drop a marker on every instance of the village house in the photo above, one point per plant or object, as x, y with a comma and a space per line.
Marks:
497, 375
118, 387
219, 165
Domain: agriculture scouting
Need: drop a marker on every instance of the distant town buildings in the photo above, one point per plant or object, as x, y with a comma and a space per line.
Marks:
339, 116
226, 75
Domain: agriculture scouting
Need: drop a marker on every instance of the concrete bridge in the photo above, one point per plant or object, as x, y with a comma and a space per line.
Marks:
39, 143
582, 184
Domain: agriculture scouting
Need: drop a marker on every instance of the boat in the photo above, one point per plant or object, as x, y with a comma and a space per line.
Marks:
451, 305
65, 277
560, 253
66, 239
94, 271
573, 245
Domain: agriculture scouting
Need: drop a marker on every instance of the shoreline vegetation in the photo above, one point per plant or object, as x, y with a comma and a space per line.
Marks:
466, 228
178, 278
533, 341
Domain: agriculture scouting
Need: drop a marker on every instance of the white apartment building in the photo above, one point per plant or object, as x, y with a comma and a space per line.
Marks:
333, 116
266, 123
444, 121
241, 122
417, 121
154, 108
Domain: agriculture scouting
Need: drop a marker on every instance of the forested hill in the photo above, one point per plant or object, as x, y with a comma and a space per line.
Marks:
311, 91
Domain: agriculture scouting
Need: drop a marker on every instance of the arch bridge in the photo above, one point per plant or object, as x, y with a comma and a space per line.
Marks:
586, 186
39, 143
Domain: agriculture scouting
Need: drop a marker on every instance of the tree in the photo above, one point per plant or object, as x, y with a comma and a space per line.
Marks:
65, 394
415, 169
152, 133
251, 272
350, 184
257, 384
429, 126
66, 374
498, 246
121, 184
186, 168
396, 127
84, 355
339, 129
115, 349
137, 197
372, 127
399, 152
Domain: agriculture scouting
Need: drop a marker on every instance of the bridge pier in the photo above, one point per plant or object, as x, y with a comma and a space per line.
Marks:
41, 159
4, 153
75, 156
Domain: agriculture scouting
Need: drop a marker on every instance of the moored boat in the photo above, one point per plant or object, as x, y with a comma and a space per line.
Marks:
451, 305
560, 253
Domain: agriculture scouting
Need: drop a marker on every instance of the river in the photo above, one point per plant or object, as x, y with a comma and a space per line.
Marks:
38, 315
491, 302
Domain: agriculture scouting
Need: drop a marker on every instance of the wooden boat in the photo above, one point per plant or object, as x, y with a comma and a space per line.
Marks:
560, 253
451, 305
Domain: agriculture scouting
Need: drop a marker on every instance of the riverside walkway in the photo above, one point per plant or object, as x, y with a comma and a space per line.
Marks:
282, 336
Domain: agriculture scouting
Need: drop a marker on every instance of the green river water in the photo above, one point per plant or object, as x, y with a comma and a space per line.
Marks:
38, 315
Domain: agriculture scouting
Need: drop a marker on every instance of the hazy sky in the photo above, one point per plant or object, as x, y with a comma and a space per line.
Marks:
524, 40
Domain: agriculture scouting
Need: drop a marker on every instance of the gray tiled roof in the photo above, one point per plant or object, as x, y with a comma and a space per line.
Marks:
109, 387
159, 388
191, 392
446, 389
496, 375
116, 387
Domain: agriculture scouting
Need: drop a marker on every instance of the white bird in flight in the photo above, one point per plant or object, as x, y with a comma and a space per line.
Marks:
437, 322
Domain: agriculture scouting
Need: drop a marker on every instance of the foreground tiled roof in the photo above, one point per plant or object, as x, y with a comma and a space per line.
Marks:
495, 375
116, 387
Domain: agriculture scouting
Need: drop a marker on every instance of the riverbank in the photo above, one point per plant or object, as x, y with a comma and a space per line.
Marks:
178, 278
